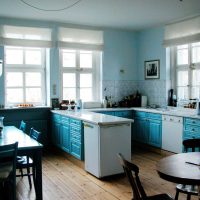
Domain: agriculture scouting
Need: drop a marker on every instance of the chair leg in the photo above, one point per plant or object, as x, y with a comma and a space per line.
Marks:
29, 177
21, 171
34, 182
188, 197
177, 194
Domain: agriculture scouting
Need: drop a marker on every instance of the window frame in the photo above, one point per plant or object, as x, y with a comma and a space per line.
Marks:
24, 68
186, 67
95, 71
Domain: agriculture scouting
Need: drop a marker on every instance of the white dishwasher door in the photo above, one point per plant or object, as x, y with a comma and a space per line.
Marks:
172, 131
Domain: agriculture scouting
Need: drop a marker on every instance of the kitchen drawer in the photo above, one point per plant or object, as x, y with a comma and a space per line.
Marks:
140, 114
190, 135
75, 122
75, 136
192, 121
75, 128
76, 149
192, 129
65, 120
154, 116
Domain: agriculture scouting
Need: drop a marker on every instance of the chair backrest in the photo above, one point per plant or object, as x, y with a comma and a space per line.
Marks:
22, 126
132, 172
8, 155
36, 135
191, 144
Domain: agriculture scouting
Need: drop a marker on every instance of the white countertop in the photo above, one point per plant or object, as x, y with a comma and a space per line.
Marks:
92, 117
102, 119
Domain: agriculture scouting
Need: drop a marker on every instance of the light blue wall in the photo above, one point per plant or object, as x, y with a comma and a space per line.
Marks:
119, 53
149, 47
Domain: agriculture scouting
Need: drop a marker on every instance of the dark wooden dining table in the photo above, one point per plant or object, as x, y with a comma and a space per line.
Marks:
182, 168
26, 146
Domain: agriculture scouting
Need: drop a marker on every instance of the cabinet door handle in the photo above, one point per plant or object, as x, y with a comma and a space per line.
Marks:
88, 126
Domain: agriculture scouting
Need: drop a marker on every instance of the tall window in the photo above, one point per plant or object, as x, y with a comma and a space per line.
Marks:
24, 76
80, 74
188, 71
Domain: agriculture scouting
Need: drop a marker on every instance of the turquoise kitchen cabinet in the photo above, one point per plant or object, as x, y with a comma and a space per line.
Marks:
76, 135
39, 118
147, 128
139, 132
125, 114
155, 130
56, 130
67, 134
191, 128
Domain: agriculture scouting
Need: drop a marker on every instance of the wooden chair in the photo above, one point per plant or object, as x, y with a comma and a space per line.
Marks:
26, 162
132, 172
22, 126
190, 144
8, 154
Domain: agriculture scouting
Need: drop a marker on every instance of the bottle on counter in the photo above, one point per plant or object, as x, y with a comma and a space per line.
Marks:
79, 104
105, 102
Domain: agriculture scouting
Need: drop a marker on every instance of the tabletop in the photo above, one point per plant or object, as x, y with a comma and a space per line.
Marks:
12, 134
183, 168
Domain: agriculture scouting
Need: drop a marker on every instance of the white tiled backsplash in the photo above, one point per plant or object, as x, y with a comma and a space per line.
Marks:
155, 90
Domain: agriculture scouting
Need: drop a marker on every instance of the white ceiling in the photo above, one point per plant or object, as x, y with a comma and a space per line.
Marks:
123, 14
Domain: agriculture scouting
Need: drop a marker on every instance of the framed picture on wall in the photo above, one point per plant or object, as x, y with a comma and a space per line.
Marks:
152, 69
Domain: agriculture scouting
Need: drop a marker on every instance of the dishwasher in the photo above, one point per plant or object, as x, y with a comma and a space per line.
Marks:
172, 131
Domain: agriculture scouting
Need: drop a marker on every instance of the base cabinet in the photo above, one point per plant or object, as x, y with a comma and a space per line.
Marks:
67, 134
147, 128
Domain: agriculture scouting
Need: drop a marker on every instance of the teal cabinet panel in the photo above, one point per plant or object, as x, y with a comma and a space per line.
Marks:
76, 138
147, 128
56, 134
191, 128
140, 132
124, 114
65, 138
76, 149
155, 130
67, 134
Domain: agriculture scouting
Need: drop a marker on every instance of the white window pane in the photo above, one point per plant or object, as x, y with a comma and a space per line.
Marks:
182, 55
182, 93
33, 79
196, 54
86, 59
182, 78
33, 57
69, 59
195, 92
69, 93
195, 77
33, 95
14, 95
69, 80
14, 79
14, 56
86, 94
86, 80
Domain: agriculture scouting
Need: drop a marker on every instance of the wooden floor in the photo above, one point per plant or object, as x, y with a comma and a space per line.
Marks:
62, 179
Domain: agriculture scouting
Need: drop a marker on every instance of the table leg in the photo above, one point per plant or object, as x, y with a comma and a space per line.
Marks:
38, 174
